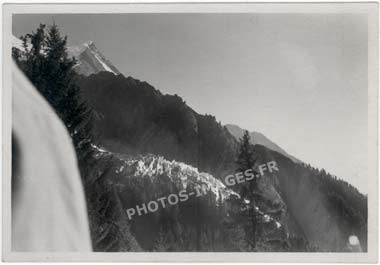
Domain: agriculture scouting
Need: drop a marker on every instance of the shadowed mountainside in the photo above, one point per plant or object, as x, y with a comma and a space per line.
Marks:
134, 118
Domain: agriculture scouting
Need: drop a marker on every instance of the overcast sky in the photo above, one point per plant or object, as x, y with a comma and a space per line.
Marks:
299, 79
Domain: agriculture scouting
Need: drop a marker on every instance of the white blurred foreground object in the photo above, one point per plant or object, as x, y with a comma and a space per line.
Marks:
48, 204
354, 244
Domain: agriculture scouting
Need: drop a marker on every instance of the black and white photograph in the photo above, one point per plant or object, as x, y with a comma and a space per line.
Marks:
204, 129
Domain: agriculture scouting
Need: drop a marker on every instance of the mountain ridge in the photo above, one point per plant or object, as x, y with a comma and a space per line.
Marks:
259, 138
86, 67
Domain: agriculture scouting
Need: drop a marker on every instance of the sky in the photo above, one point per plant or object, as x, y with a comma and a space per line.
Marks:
300, 79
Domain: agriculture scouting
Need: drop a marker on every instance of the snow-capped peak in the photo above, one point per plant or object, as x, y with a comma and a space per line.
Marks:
90, 59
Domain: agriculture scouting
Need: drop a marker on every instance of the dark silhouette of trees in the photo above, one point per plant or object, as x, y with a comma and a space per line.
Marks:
246, 160
45, 62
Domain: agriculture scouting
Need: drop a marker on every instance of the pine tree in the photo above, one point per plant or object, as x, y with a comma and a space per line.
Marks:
45, 62
246, 160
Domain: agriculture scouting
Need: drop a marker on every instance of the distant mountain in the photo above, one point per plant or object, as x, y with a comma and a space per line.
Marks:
90, 59
259, 138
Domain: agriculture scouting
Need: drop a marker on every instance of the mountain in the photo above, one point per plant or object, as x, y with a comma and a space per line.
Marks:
90, 60
259, 138
315, 209
151, 145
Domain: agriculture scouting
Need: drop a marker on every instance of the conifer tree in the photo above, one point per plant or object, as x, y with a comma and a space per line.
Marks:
45, 62
246, 160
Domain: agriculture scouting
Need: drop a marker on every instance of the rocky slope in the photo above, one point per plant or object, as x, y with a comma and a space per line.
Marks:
294, 213
214, 220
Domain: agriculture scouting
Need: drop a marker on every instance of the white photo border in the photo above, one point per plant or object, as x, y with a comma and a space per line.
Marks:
368, 8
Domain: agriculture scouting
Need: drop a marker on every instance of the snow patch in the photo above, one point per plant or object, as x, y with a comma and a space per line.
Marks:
266, 218
104, 65
180, 174
99, 149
